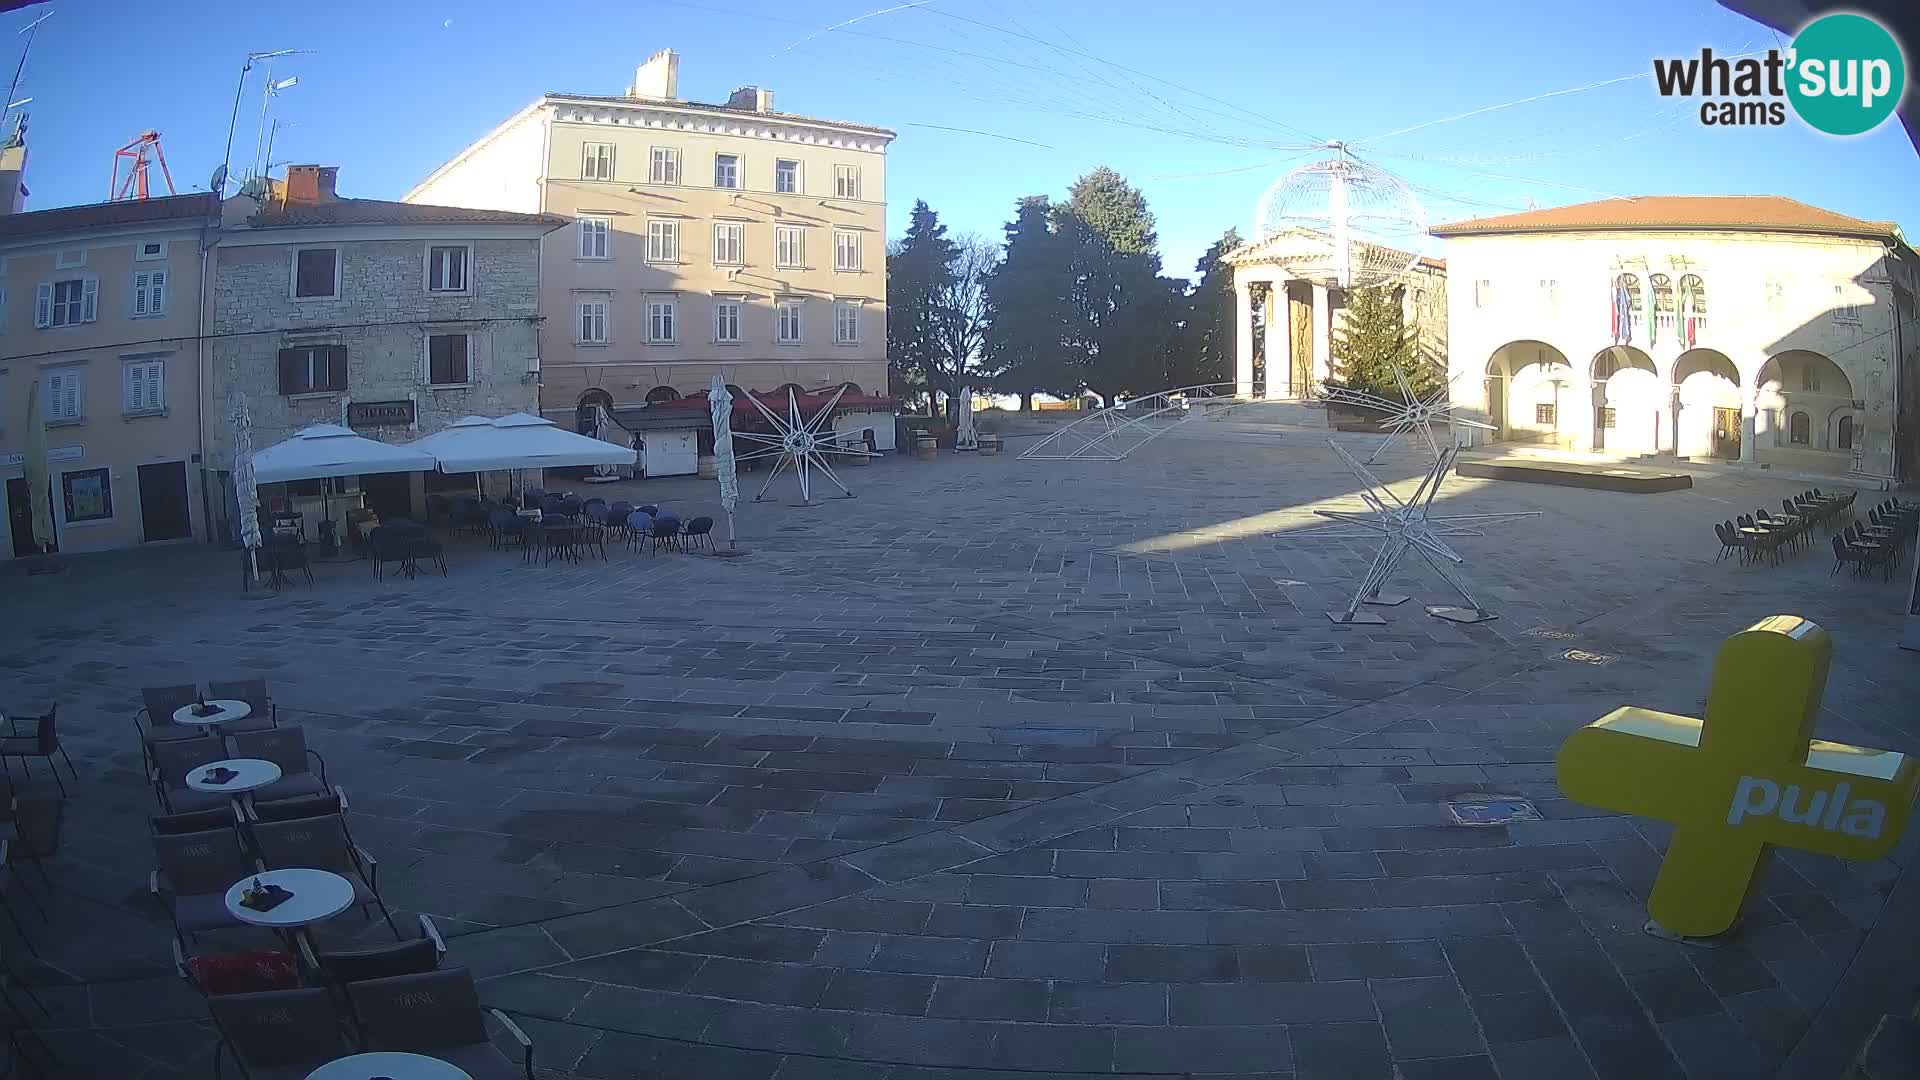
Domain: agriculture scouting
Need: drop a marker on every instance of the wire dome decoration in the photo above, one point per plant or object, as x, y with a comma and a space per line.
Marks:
1352, 224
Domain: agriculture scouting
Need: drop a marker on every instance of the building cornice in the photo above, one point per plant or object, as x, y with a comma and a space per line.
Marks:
711, 120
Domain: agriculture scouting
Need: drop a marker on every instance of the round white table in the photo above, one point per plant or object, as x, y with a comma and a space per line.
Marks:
391, 1066
318, 895
251, 773
225, 710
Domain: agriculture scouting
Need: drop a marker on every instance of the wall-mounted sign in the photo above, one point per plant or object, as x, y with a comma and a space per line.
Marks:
379, 413
54, 453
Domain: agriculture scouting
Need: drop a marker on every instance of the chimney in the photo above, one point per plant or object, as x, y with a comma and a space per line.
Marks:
307, 185
659, 77
751, 99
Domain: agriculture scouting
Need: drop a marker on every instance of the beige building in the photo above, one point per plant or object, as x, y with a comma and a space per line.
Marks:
705, 238
1748, 328
98, 308
392, 319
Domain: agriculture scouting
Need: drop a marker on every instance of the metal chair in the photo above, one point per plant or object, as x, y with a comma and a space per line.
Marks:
158, 704
172, 761
43, 743
287, 748
278, 1034
699, 531
667, 531
413, 956
322, 843
437, 1013
262, 715
195, 871
639, 528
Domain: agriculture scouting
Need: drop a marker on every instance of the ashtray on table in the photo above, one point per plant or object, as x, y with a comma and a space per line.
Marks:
204, 711
220, 775
264, 897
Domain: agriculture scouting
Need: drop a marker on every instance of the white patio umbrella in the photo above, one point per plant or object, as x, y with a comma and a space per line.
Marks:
720, 401
246, 491
967, 438
39, 479
516, 441
327, 450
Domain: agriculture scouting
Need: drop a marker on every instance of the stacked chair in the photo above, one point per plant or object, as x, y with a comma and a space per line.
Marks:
1880, 543
1768, 535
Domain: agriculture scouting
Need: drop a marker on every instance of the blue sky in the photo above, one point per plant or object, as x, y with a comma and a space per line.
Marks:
1203, 103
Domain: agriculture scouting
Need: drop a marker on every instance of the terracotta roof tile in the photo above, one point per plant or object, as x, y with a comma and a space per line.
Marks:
1740, 213
107, 215
382, 212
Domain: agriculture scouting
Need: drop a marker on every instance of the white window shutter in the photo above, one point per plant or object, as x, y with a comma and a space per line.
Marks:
89, 294
157, 291
139, 295
43, 306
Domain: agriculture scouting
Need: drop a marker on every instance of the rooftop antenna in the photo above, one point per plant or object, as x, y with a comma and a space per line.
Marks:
260, 135
224, 173
30, 30
135, 185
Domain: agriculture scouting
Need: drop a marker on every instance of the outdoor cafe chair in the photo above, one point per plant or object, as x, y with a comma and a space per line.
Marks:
287, 748
322, 843
278, 1034
1729, 542
43, 743
591, 538
190, 821
665, 531
172, 761
34, 832
1844, 553
507, 527
419, 545
194, 873
639, 528
700, 531
411, 956
649, 509
262, 713
437, 1013
385, 545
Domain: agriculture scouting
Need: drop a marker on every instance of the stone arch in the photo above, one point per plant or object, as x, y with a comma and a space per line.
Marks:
1799, 428
1707, 414
1801, 379
586, 414
1526, 390
662, 394
1628, 407
1846, 432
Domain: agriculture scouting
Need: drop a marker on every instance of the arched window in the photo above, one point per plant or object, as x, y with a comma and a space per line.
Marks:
1662, 302
780, 391
596, 396
1843, 434
1799, 429
736, 392
661, 394
586, 416
1692, 305
1627, 313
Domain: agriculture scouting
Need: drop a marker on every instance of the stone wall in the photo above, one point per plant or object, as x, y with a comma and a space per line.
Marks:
383, 316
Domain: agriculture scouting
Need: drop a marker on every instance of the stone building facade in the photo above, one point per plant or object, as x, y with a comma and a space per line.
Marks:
388, 318
1745, 328
707, 239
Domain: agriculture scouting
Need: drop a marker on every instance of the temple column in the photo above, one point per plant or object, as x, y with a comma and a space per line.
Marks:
1242, 338
1279, 343
1322, 335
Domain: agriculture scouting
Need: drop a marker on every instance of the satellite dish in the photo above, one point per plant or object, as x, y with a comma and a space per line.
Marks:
1353, 224
218, 184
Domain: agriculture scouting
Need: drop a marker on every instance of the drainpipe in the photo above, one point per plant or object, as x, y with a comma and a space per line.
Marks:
209, 235
1899, 369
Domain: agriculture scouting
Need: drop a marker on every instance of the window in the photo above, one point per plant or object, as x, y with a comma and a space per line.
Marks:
63, 395
846, 181
313, 369
726, 170
1809, 379
1607, 417
661, 317
1483, 293
316, 273
592, 320
146, 387
65, 303
789, 247
596, 238
1844, 309
786, 177
726, 322
1843, 434
786, 322
152, 249
663, 165
729, 243
846, 250
447, 268
149, 293
662, 394
846, 324
663, 240
1543, 414
88, 495
1549, 293
596, 161
448, 360
1799, 429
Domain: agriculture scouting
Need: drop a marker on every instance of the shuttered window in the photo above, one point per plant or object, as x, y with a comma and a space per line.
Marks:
146, 386
313, 369
447, 362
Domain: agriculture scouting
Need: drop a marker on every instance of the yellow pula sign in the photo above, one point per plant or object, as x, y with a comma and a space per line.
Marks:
1747, 778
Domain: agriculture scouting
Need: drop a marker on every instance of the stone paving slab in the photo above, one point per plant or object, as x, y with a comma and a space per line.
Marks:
1062, 779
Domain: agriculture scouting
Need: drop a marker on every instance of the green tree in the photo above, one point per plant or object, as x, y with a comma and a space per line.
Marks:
1027, 301
1373, 340
1117, 212
919, 268
1206, 348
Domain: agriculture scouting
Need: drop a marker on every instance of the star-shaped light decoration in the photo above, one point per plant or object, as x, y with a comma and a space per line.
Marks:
1404, 526
801, 444
1412, 413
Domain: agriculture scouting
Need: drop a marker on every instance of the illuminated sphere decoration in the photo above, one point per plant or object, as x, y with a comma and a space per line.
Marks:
1353, 224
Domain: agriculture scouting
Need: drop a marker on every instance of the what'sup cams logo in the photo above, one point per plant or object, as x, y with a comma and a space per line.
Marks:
1844, 74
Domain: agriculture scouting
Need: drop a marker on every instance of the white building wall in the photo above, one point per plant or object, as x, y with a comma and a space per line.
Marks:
1766, 294
500, 172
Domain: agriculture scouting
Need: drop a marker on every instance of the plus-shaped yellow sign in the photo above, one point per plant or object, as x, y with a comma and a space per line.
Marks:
1748, 777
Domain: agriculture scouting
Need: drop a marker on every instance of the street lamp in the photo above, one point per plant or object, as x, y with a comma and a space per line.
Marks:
226, 159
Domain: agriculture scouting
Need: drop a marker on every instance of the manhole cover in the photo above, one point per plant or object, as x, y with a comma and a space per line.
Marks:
1550, 634
1491, 810
1582, 656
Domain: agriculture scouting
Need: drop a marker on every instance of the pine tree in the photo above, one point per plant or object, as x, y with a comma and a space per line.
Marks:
1117, 212
918, 271
1373, 341
1207, 342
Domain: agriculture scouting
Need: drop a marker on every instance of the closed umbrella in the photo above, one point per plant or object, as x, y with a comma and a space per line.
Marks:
966, 438
39, 481
720, 401
245, 492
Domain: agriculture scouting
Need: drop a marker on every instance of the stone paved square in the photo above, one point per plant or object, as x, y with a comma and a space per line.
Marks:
1004, 768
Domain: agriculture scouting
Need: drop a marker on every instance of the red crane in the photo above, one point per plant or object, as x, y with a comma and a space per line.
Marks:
135, 185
